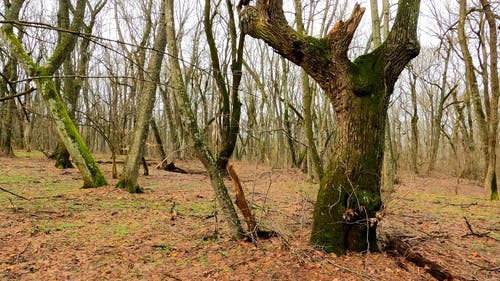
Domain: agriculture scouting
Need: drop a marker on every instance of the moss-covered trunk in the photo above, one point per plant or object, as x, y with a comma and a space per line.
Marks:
69, 135
349, 195
66, 129
147, 99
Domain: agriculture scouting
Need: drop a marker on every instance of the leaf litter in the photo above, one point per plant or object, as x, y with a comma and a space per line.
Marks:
67, 233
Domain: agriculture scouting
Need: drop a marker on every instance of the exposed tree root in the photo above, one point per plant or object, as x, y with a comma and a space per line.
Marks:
395, 244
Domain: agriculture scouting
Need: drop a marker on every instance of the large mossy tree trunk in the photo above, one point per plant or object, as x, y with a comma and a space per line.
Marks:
349, 195
66, 129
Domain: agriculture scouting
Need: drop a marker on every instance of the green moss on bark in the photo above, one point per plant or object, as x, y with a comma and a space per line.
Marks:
130, 187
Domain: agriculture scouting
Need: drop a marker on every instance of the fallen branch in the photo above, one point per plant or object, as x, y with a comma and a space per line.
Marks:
472, 232
17, 195
481, 267
18, 257
397, 245
464, 205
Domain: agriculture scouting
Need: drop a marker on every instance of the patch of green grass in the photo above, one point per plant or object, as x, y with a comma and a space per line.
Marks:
78, 207
16, 179
133, 204
116, 229
121, 229
197, 209
203, 260
164, 248
484, 247
34, 154
49, 227
495, 235
185, 187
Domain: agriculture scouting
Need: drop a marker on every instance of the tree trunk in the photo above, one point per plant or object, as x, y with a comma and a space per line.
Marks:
490, 182
437, 119
92, 175
415, 142
130, 172
159, 144
286, 117
62, 157
316, 173
388, 164
349, 196
471, 80
231, 105
190, 123
7, 109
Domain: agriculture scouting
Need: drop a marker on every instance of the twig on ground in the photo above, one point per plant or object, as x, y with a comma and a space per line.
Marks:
360, 274
472, 232
22, 252
17, 195
464, 205
300, 252
481, 267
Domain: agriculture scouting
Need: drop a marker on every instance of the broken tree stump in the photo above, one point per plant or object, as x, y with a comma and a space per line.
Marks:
241, 202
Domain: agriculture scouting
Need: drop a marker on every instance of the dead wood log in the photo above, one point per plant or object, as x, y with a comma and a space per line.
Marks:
395, 244
241, 202
170, 167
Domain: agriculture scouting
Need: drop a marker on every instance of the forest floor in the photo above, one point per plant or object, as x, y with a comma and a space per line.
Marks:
67, 233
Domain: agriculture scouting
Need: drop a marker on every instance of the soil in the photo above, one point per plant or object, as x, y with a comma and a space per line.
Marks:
173, 231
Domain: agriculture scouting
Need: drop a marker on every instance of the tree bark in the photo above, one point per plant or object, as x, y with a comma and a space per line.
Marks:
349, 196
7, 109
490, 182
61, 154
415, 142
190, 123
130, 173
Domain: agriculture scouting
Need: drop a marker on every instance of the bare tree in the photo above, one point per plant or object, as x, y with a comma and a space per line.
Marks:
490, 182
190, 122
147, 99
229, 90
